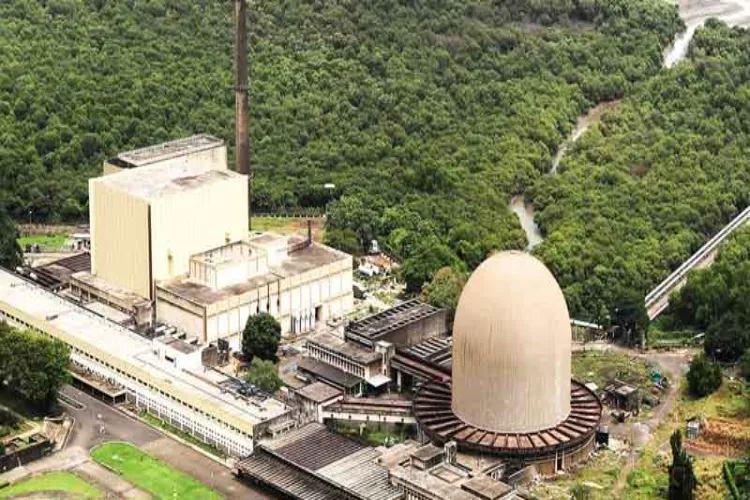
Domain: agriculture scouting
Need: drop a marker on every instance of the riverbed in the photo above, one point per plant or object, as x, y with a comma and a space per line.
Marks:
694, 13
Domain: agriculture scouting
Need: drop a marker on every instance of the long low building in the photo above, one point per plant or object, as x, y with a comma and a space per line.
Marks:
162, 377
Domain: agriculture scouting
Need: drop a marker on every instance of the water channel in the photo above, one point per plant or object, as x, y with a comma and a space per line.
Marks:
694, 13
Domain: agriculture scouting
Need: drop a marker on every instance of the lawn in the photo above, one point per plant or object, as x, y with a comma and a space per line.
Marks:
150, 474
53, 482
46, 241
598, 476
290, 225
602, 367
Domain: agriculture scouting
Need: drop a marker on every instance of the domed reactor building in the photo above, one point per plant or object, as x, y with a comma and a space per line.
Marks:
511, 393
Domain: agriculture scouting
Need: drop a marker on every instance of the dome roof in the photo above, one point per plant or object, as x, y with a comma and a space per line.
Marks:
511, 347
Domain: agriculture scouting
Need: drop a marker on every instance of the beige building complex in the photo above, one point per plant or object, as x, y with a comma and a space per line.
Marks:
299, 282
169, 231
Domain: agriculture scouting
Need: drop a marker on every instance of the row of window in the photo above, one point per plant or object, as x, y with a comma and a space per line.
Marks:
336, 359
136, 386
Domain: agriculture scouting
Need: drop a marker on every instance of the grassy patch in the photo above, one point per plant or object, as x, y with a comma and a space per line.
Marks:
649, 477
290, 225
599, 473
53, 482
46, 241
602, 367
150, 474
157, 422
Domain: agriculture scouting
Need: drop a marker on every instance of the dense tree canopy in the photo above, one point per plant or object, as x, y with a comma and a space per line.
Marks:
445, 289
32, 366
715, 300
10, 251
662, 172
428, 116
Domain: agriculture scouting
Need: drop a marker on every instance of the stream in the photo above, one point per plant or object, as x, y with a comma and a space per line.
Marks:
694, 13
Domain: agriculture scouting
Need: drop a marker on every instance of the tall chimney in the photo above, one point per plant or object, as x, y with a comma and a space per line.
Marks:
242, 119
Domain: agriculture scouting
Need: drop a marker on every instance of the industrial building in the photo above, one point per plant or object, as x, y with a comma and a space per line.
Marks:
433, 473
357, 357
148, 221
163, 376
170, 244
314, 463
300, 282
204, 150
510, 393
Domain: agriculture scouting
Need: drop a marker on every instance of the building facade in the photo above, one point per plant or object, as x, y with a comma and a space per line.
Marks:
299, 282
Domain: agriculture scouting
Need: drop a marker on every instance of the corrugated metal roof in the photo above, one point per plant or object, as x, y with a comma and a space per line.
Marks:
327, 460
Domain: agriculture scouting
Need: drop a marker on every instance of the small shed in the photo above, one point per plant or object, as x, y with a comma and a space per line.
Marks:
693, 429
312, 398
623, 396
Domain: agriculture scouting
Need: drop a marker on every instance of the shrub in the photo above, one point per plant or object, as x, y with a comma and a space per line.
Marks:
704, 376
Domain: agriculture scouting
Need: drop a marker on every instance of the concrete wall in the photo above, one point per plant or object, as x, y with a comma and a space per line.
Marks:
416, 332
196, 220
187, 321
292, 301
119, 238
215, 157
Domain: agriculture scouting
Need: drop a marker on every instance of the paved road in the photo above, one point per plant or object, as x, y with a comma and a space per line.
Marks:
119, 427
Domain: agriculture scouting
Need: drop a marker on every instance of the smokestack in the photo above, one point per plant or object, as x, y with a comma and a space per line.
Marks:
242, 119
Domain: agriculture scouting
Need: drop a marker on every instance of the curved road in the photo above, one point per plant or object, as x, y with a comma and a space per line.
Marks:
117, 426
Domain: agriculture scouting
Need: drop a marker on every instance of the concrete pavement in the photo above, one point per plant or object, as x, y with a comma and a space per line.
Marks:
119, 427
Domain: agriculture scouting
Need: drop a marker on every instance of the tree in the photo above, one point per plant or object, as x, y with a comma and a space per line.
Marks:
745, 365
629, 315
264, 374
33, 366
429, 256
345, 240
682, 479
445, 289
704, 376
10, 251
261, 337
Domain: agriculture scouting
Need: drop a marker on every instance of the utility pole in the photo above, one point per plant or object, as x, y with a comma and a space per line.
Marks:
242, 132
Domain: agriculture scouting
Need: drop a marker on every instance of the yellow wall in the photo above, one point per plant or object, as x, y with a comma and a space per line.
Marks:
119, 238
193, 221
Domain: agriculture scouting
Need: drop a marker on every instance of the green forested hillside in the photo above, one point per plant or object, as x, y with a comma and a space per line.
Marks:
426, 114
715, 300
662, 172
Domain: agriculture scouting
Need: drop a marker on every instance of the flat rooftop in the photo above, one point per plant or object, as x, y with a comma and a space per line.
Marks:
340, 346
319, 392
333, 375
120, 294
129, 348
297, 262
155, 181
166, 150
380, 324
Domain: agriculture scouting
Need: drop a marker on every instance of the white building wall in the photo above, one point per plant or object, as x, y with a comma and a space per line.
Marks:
190, 323
207, 429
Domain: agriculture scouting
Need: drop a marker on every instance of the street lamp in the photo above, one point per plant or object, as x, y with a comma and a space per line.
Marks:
329, 186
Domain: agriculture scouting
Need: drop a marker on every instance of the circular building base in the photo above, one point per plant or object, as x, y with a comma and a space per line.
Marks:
550, 449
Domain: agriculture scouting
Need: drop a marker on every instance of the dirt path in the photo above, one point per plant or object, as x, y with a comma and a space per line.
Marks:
675, 365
